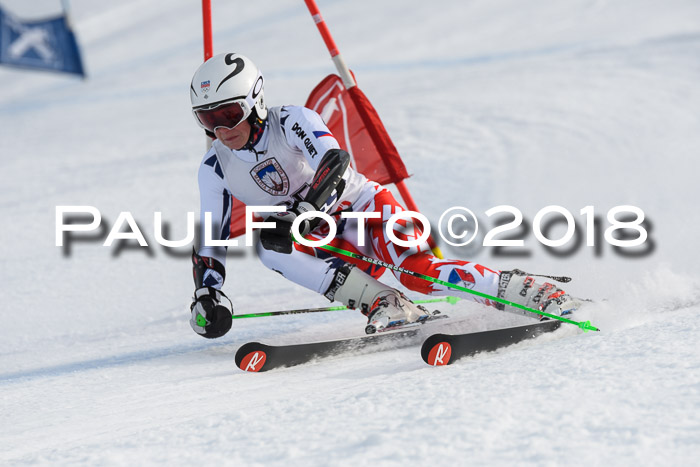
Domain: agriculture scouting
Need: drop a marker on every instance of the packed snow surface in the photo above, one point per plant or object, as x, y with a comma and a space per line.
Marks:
578, 103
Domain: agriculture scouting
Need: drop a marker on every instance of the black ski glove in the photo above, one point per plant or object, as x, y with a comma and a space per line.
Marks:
279, 239
211, 315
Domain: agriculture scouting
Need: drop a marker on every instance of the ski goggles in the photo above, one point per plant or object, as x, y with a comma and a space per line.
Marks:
231, 112
225, 115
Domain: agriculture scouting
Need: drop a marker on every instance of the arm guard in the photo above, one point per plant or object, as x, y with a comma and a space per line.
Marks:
328, 177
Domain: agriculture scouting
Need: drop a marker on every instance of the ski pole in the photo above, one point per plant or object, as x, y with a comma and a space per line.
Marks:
450, 300
585, 325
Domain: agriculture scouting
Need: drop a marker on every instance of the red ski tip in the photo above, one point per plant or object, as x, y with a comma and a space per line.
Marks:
254, 361
440, 354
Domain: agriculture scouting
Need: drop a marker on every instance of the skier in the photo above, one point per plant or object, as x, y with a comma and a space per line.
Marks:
287, 156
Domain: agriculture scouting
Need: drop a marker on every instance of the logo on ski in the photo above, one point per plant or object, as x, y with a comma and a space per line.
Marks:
254, 361
440, 354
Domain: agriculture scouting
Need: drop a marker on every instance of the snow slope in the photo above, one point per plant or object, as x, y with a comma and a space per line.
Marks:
586, 102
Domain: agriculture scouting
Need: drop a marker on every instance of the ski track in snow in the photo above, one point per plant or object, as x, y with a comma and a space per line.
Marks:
575, 104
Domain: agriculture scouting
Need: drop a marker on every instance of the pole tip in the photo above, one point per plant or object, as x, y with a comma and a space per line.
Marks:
587, 326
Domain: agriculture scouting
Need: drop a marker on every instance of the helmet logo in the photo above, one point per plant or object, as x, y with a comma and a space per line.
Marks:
205, 86
240, 64
258, 87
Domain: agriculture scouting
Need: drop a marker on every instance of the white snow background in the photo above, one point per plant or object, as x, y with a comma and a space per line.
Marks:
577, 103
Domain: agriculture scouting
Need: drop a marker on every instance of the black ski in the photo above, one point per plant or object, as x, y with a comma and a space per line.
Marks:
255, 356
443, 349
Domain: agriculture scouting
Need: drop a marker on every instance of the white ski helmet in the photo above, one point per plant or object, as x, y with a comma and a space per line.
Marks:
225, 90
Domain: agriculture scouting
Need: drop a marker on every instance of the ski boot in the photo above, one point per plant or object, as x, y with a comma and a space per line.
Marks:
394, 309
519, 287
384, 306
